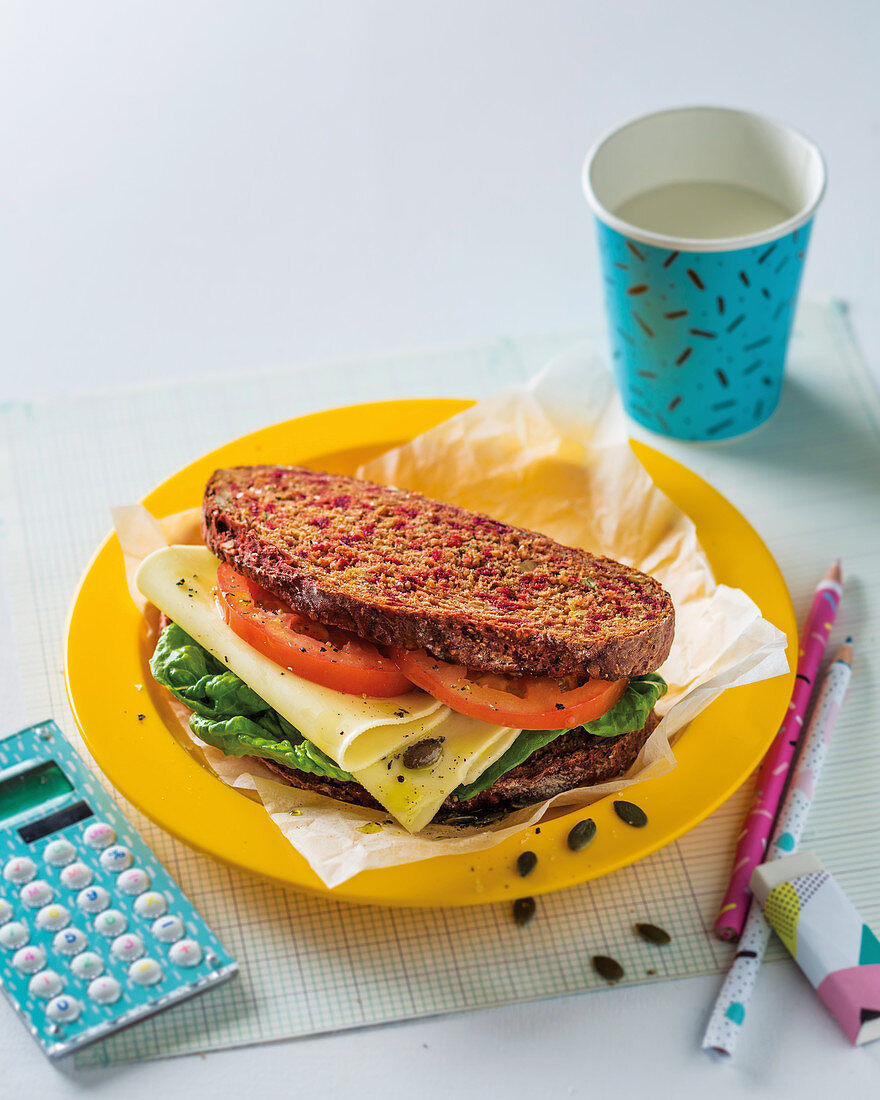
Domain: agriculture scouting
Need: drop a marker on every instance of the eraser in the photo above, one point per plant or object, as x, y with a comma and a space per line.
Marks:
836, 950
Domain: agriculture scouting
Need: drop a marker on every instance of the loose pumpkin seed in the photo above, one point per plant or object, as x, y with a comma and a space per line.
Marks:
581, 835
653, 934
422, 754
526, 863
523, 910
631, 814
609, 969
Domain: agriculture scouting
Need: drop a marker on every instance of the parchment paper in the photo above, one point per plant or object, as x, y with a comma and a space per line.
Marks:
552, 456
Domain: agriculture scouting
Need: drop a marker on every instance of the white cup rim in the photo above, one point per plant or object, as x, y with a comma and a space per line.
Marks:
702, 244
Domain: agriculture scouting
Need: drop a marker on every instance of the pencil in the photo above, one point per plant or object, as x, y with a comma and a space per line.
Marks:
752, 840
725, 1023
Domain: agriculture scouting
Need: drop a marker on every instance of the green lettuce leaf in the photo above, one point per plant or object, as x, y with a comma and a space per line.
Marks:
227, 713
629, 713
240, 736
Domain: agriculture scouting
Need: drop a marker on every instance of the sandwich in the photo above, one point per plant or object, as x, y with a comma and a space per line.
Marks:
399, 653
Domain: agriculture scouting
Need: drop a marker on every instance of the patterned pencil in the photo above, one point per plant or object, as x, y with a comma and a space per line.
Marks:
725, 1023
752, 840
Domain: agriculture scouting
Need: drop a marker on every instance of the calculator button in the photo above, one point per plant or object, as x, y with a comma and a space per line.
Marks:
59, 852
5, 911
116, 858
185, 953
145, 972
99, 835
63, 1009
132, 881
93, 899
105, 991
151, 904
127, 947
14, 934
29, 959
168, 929
53, 917
19, 870
36, 893
70, 942
110, 923
45, 984
88, 964
76, 875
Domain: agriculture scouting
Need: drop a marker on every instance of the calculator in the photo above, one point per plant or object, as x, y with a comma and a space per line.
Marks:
95, 935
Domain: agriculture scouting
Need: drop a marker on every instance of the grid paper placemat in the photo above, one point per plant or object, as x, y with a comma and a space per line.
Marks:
809, 484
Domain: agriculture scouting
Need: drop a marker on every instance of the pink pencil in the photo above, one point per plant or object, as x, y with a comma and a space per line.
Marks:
752, 841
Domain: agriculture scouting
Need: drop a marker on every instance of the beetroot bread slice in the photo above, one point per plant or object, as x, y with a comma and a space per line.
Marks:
400, 569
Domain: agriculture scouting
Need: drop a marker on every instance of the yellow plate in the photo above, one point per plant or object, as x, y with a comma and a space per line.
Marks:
110, 686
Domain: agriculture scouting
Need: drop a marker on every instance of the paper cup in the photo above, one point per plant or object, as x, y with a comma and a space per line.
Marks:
699, 327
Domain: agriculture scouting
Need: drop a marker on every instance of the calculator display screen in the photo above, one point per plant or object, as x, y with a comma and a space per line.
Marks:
29, 788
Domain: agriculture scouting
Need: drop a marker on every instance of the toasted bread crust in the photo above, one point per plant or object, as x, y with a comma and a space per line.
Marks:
576, 759
402, 570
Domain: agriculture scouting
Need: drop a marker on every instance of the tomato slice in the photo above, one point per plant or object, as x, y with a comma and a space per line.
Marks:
523, 702
325, 655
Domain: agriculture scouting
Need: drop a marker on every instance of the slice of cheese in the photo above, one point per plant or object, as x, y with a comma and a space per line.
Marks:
414, 797
365, 736
352, 730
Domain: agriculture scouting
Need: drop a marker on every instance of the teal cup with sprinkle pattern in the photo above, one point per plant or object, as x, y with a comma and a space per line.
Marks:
703, 217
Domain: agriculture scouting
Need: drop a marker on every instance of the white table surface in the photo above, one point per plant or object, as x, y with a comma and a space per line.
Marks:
203, 187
